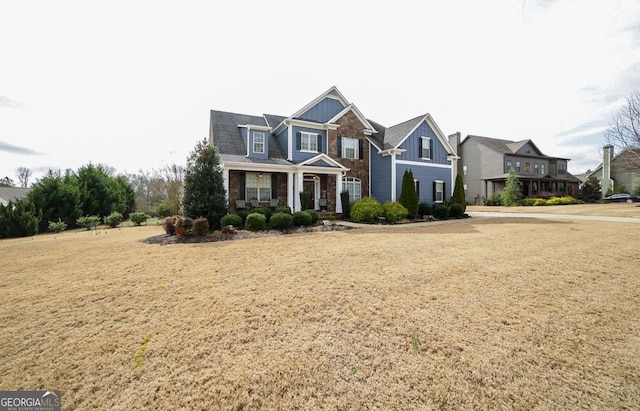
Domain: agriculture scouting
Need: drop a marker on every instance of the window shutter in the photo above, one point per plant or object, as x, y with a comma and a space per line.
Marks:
420, 148
243, 184
431, 148
339, 146
298, 139
320, 145
360, 149
418, 189
444, 191
434, 192
274, 185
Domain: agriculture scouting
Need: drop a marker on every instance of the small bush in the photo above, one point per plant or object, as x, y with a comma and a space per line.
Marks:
562, 200
424, 209
281, 221
264, 211
302, 218
366, 210
231, 219
528, 202
255, 222
394, 211
283, 209
201, 226
494, 200
113, 220
456, 210
314, 216
88, 221
440, 211
138, 218
166, 208
539, 202
168, 225
57, 226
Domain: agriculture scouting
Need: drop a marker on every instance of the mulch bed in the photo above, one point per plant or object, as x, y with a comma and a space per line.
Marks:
165, 239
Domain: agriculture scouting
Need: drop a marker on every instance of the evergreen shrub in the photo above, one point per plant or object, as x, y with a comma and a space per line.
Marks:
302, 218
366, 210
281, 221
394, 211
113, 220
201, 226
440, 211
255, 222
231, 219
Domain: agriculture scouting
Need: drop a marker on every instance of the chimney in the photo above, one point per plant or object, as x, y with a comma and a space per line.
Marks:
607, 181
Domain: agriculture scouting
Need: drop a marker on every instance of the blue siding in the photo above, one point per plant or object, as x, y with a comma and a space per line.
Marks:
243, 133
380, 178
412, 145
264, 155
323, 111
299, 156
426, 176
283, 140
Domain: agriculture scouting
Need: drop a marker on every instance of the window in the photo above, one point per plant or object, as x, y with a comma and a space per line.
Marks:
439, 191
350, 148
425, 148
464, 170
352, 185
509, 166
542, 168
517, 167
308, 141
536, 168
416, 184
258, 143
527, 167
258, 186
562, 168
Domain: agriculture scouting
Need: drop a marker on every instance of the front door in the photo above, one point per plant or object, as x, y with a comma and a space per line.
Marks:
309, 188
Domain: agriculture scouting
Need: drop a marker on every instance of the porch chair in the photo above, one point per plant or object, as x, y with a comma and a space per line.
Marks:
240, 204
273, 202
255, 203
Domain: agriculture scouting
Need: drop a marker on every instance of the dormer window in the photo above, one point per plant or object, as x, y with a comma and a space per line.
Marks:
308, 142
258, 143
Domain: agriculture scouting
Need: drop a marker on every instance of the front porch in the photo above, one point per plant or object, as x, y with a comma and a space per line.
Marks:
532, 187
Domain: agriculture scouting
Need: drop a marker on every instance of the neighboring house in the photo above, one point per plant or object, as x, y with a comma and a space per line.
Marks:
12, 193
621, 170
485, 164
326, 147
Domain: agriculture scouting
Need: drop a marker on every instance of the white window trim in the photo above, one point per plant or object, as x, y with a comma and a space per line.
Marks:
260, 187
356, 149
315, 135
346, 182
426, 140
439, 182
264, 143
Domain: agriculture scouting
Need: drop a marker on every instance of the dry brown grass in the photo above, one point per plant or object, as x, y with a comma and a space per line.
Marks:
475, 314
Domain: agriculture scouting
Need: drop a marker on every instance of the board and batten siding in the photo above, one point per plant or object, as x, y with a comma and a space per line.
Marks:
380, 176
412, 146
324, 111
283, 140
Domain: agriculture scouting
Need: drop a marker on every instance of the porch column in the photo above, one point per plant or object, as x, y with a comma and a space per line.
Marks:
297, 189
290, 191
338, 191
225, 182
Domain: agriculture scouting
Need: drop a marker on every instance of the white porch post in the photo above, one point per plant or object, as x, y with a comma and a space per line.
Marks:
338, 191
297, 190
290, 197
225, 182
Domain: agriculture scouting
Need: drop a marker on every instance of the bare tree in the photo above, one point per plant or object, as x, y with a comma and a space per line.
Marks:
155, 186
23, 176
624, 132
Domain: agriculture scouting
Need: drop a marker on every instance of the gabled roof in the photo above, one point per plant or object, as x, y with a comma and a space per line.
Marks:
351, 107
634, 153
506, 146
394, 136
333, 92
322, 160
12, 193
225, 133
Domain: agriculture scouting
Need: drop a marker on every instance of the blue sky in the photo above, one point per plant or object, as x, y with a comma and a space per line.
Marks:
130, 84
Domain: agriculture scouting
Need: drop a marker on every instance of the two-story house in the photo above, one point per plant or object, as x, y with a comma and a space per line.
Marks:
326, 147
618, 172
486, 163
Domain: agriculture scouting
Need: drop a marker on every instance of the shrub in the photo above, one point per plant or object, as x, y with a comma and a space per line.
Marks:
539, 202
243, 215
346, 206
440, 211
394, 211
113, 220
456, 210
185, 222
366, 210
166, 208
528, 201
302, 218
231, 219
201, 226
168, 225
138, 218
314, 216
458, 194
424, 209
255, 222
264, 211
57, 226
88, 221
19, 219
281, 220
283, 209
494, 200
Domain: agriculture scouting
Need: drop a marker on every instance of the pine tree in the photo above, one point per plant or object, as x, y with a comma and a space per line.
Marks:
204, 193
458, 193
408, 195
512, 194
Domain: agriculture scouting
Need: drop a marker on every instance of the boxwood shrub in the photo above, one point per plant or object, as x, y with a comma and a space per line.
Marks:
264, 211
255, 222
456, 210
366, 210
440, 211
302, 218
281, 221
314, 216
231, 219
394, 211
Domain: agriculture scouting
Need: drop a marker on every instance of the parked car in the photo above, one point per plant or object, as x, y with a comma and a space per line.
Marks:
623, 197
